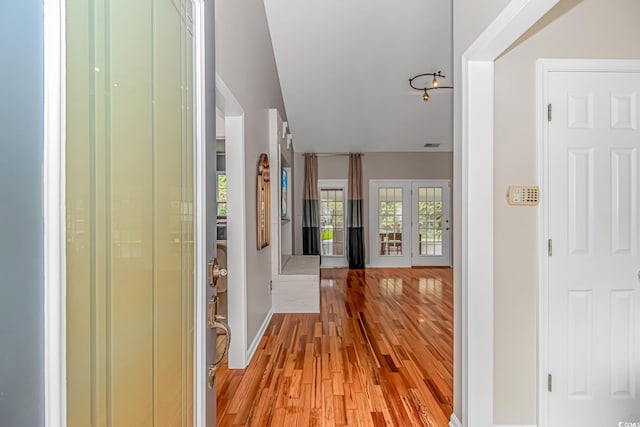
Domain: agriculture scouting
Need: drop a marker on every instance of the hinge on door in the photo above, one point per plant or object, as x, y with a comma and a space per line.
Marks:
550, 383
548, 112
550, 247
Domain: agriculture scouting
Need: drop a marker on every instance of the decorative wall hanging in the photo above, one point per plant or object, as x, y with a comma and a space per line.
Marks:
263, 197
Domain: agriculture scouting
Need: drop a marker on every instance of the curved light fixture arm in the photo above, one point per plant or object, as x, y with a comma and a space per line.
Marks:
434, 83
434, 75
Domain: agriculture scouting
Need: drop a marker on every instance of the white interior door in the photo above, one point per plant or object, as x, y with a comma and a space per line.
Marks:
390, 223
593, 305
431, 223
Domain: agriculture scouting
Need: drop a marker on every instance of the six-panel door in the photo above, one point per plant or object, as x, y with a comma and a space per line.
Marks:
594, 305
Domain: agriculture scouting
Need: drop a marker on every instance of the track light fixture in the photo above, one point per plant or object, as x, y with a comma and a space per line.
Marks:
434, 84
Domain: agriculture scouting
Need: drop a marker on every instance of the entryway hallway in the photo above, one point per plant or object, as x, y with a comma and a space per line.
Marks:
380, 353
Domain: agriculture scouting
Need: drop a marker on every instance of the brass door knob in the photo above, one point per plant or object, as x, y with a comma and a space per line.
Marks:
215, 272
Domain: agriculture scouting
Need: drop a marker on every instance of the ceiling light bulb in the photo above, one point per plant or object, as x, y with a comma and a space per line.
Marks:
434, 82
425, 97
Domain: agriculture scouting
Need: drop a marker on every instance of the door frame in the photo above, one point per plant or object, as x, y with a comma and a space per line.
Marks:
54, 186
203, 37
473, 214
333, 260
233, 113
54, 199
544, 69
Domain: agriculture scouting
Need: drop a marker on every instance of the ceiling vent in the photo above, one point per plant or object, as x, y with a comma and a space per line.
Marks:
432, 145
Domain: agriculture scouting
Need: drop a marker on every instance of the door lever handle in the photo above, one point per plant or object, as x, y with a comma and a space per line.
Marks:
218, 323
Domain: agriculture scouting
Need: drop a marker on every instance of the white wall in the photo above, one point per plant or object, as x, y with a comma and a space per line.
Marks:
374, 166
573, 29
245, 62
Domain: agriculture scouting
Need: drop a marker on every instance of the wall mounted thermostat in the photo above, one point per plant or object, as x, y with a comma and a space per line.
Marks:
524, 195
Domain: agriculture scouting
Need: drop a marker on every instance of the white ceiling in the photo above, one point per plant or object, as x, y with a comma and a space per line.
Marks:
344, 67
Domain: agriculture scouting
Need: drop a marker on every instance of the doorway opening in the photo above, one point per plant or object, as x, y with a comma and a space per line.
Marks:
231, 227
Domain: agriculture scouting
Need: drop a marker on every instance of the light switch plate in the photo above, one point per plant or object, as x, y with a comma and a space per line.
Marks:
520, 195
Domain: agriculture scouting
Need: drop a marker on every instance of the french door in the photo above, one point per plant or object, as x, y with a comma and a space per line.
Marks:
333, 210
431, 225
409, 223
130, 227
390, 223
593, 265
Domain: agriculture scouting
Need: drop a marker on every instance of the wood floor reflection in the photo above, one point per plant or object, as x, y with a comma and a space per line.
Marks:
379, 354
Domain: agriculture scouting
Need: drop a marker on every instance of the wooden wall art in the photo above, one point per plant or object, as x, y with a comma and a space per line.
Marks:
264, 201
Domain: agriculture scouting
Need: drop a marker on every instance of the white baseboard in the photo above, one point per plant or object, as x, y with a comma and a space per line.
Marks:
256, 340
454, 421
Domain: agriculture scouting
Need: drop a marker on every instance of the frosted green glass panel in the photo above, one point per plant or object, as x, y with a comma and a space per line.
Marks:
129, 166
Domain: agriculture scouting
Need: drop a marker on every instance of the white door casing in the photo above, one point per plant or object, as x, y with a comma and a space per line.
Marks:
590, 307
236, 223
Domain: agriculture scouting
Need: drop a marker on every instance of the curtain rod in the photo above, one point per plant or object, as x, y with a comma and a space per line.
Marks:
330, 154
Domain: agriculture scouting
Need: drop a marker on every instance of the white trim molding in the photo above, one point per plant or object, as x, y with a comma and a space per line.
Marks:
55, 389
258, 337
544, 68
454, 421
200, 164
234, 132
476, 269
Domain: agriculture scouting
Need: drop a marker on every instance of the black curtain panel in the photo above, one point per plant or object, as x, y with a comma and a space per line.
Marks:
310, 207
355, 230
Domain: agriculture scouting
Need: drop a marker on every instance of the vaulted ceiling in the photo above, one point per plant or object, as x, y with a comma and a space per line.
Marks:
344, 67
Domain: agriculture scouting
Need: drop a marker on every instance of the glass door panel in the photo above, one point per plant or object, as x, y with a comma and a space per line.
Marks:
431, 226
332, 222
391, 220
130, 224
333, 232
390, 223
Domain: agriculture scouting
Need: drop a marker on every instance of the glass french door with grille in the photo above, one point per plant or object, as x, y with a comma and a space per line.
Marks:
431, 225
409, 223
390, 223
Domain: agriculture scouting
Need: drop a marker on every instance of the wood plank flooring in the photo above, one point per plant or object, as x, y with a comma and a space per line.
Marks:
380, 353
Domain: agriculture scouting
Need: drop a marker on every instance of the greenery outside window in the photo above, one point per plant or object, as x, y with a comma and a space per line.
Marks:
221, 195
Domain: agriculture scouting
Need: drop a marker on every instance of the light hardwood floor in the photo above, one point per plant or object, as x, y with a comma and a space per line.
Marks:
380, 353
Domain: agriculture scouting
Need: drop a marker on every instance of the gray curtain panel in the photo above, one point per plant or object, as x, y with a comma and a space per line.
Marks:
355, 230
310, 207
